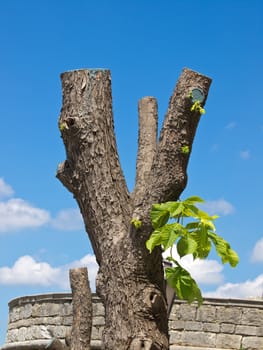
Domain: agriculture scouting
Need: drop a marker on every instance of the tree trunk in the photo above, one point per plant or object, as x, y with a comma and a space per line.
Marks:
130, 280
82, 309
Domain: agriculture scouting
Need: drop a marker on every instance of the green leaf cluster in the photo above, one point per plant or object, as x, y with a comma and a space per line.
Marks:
185, 149
196, 107
196, 237
136, 223
184, 285
63, 126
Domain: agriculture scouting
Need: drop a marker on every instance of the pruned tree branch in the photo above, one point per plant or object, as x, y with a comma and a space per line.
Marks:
82, 309
178, 130
169, 168
92, 171
147, 144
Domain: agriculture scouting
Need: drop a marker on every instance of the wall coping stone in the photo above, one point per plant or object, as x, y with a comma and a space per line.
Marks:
62, 297
42, 298
257, 303
180, 347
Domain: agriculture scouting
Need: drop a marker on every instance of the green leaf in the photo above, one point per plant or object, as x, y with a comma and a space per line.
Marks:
154, 240
200, 235
186, 245
177, 210
194, 199
227, 254
159, 215
233, 258
174, 208
192, 226
204, 215
173, 231
208, 224
165, 236
198, 214
184, 209
184, 285
190, 210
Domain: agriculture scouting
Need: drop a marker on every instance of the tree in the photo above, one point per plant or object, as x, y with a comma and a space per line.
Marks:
130, 280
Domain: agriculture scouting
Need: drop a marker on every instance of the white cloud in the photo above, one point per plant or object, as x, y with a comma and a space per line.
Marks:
203, 271
247, 289
27, 271
245, 154
16, 213
220, 207
257, 254
68, 220
5, 189
19, 214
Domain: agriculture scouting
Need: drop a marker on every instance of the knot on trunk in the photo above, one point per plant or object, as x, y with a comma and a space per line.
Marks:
155, 301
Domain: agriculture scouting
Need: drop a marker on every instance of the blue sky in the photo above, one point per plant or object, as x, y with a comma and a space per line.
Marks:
145, 44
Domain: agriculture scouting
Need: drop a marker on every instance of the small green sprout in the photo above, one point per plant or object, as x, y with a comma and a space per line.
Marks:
63, 126
196, 107
185, 149
196, 95
136, 223
190, 95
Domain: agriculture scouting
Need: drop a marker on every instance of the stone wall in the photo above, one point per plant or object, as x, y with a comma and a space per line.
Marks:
217, 324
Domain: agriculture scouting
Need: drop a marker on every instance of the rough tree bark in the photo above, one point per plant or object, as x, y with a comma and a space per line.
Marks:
82, 309
130, 280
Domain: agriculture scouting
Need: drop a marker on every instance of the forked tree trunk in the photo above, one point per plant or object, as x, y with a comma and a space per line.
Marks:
130, 280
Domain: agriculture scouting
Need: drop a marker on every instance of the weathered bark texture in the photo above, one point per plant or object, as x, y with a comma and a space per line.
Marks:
130, 280
147, 144
82, 309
